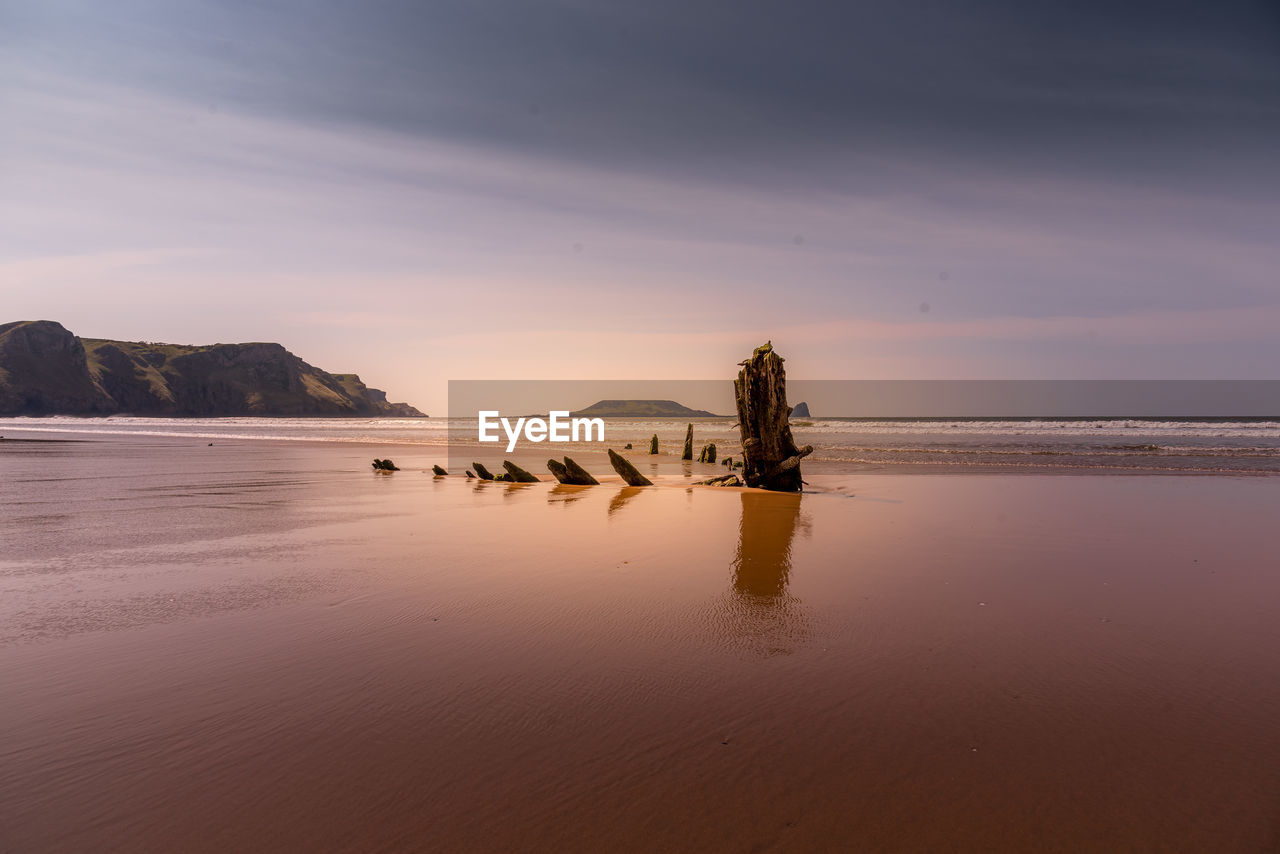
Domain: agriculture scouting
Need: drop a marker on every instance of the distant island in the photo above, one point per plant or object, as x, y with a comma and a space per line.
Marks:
46, 370
642, 409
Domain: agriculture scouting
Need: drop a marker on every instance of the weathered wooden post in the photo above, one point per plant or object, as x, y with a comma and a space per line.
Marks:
518, 474
581, 476
688, 444
771, 458
653, 444
627, 471
571, 473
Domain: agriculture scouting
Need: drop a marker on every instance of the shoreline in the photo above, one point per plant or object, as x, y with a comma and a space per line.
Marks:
669, 466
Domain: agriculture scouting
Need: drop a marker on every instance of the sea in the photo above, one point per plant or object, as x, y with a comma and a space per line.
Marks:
1199, 445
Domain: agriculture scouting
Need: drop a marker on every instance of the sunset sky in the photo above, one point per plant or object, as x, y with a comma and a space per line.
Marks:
425, 191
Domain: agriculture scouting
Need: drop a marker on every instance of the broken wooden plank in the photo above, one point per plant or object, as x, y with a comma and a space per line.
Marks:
627, 471
581, 476
518, 474
571, 473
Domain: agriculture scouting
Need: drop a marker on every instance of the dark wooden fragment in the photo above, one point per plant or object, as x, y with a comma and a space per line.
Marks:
771, 458
580, 476
571, 473
518, 474
482, 472
653, 444
627, 471
688, 444
439, 472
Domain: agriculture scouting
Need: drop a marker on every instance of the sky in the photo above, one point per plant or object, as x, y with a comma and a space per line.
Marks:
422, 192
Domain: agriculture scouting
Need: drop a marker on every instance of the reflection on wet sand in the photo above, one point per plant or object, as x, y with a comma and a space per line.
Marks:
508, 489
624, 495
564, 493
759, 612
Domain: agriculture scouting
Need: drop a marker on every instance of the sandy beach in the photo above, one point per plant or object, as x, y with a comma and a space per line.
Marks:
266, 647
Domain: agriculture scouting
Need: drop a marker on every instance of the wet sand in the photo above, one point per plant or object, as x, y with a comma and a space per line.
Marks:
263, 648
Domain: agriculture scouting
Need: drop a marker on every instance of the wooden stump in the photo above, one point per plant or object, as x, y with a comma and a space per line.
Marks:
571, 473
688, 444
653, 444
627, 471
482, 472
518, 474
438, 472
580, 476
771, 459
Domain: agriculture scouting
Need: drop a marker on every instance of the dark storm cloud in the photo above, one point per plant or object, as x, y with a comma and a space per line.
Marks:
1147, 89
1073, 189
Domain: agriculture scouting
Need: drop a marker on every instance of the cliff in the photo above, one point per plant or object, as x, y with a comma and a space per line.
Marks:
46, 370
